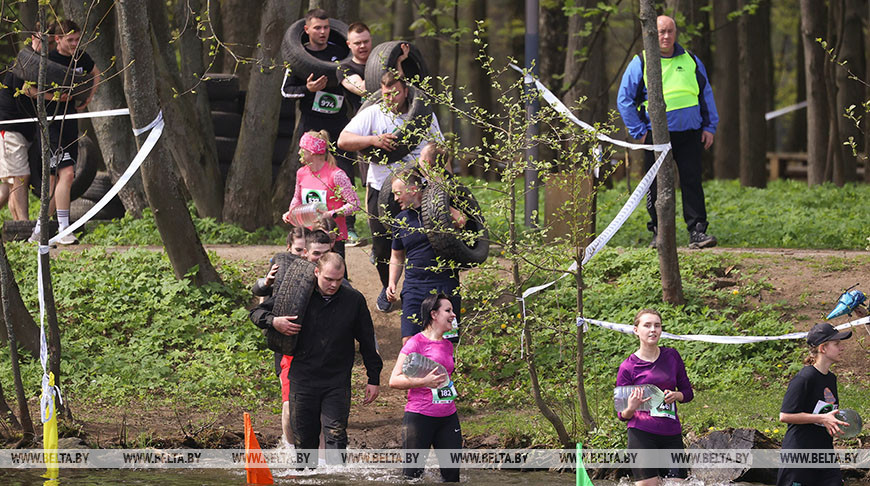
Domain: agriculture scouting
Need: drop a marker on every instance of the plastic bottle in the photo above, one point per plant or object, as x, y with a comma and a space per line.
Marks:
417, 366
853, 419
307, 214
655, 394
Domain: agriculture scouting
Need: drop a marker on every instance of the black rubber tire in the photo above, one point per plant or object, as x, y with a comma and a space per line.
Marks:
221, 86
21, 230
444, 238
226, 124
226, 149
226, 106
26, 67
301, 62
388, 207
410, 135
114, 209
282, 146
386, 54
293, 286
99, 187
85, 168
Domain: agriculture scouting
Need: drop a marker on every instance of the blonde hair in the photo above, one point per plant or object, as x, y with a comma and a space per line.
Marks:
813, 356
646, 311
323, 135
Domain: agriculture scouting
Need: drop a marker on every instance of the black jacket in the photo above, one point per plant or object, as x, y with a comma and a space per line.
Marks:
325, 351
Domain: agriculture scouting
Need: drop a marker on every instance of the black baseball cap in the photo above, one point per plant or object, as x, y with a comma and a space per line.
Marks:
824, 332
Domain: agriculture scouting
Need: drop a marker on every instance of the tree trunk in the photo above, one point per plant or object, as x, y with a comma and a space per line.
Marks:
6, 282
170, 211
23, 326
247, 204
239, 37
669, 267
331, 6
190, 138
347, 10
403, 16
430, 46
581, 345
753, 97
478, 82
850, 92
112, 133
813, 27
27, 11
53, 338
726, 153
797, 138
191, 51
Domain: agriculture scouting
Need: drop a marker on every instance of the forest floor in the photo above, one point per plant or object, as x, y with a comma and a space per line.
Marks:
810, 280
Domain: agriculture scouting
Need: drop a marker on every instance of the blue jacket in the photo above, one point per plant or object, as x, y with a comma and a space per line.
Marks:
703, 115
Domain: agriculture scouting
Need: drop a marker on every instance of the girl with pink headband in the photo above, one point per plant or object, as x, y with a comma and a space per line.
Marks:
320, 180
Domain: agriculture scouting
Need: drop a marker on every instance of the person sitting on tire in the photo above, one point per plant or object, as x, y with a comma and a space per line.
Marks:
412, 252
335, 316
374, 126
321, 180
314, 245
63, 133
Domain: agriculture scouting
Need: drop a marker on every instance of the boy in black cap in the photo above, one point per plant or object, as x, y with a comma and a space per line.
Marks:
810, 406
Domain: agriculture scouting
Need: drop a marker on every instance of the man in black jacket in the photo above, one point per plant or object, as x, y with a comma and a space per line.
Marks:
335, 316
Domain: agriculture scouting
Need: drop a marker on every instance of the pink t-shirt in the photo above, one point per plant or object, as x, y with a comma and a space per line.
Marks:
331, 186
420, 400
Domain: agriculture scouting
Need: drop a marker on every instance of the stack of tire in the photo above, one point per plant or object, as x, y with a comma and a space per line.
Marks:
227, 103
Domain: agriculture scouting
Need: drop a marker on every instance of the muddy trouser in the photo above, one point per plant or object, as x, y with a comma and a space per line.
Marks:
422, 431
381, 237
313, 408
687, 155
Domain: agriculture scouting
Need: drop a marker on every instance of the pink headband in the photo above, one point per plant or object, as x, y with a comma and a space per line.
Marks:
316, 146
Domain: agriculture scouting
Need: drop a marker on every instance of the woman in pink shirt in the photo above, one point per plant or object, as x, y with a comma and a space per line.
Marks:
430, 414
320, 180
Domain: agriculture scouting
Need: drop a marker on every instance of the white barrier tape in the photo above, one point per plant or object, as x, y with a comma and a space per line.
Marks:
284, 83
46, 402
629, 205
74, 116
156, 128
557, 105
707, 338
770, 115
601, 240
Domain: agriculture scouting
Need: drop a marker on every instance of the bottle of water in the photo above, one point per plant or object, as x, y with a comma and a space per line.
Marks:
417, 366
307, 214
853, 419
655, 394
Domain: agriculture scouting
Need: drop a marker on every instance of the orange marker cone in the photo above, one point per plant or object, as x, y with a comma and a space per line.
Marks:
255, 465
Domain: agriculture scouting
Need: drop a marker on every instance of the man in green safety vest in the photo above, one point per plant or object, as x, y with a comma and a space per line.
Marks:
692, 120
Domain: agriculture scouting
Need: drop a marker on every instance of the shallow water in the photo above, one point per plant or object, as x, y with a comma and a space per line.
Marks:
192, 477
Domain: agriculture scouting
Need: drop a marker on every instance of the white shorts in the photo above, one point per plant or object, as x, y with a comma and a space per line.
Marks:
13, 155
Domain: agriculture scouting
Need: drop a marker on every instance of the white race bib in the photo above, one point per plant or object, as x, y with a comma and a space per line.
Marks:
328, 103
445, 394
313, 196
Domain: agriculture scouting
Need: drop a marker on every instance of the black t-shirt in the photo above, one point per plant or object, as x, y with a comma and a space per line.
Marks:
319, 109
14, 107
420, 261
346, 69
81, 65
810, 392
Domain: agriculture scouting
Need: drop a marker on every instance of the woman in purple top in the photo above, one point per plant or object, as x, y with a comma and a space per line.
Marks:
430, 414
658, 428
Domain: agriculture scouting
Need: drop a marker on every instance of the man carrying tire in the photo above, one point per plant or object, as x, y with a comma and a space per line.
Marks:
323, 107
411, 251
320, 379
63, 133
314, 244
375, 126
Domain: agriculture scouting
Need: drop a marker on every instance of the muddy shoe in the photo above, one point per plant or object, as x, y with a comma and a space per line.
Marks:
655, 241
699, 239
383, 304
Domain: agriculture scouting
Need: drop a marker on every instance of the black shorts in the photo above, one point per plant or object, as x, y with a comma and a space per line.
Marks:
808, 477
639, 439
